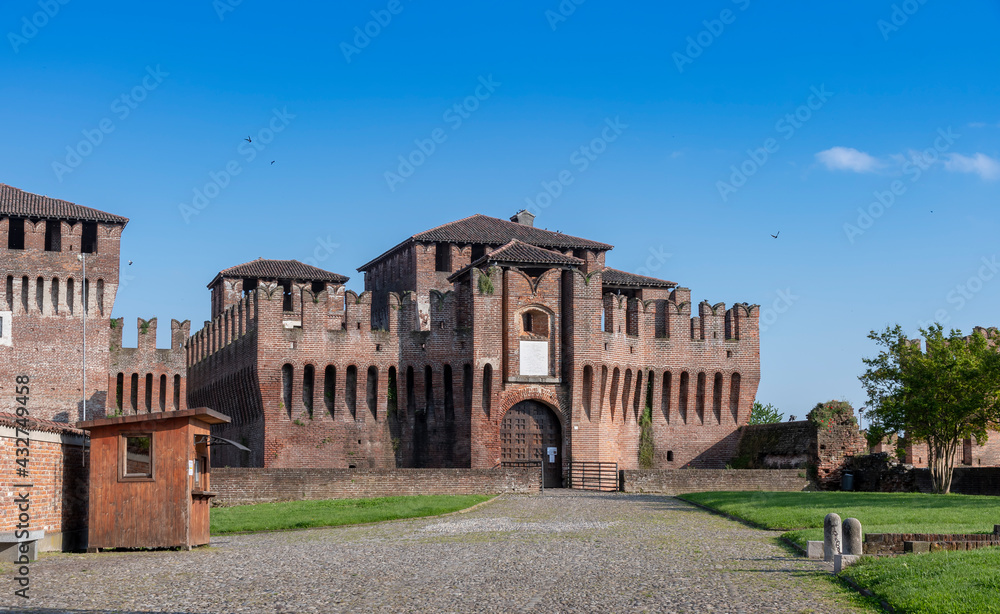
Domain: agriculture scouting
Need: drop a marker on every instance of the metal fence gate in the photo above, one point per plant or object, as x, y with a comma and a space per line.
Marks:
593, 476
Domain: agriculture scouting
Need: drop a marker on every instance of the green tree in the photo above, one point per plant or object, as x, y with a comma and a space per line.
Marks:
764, 414
941, 395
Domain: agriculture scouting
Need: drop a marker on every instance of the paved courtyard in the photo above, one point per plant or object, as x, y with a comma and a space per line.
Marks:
565, 551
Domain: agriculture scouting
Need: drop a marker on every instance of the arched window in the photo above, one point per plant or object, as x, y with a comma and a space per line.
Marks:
699, 400
329, 388
371, 392
428, 390
449, 399
54, 291
411, 400
177, 392
351, 391
665, 398
604, 388
119, 390
392, 397
70, 294
638, 401
626, 390
467, 389
40, 294
588, 385
487, 389
308, 380
615, 375
682, 399
734, 396
163, 392
287, 372
134, 393
717, 398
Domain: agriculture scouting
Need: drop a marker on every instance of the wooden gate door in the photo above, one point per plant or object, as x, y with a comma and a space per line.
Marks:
527, 431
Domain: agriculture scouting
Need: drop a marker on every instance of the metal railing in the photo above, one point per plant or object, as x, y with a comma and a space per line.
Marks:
593, 476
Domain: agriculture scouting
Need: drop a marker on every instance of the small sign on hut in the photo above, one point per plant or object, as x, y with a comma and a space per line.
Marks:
149, 479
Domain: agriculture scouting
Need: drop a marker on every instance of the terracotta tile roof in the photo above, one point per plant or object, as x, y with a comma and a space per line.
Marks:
37, 424
18, 203
614, 277
518, 252
280, 269
483, 229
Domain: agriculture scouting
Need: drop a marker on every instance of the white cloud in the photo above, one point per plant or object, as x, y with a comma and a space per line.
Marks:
986, 167
848, 159
983, 125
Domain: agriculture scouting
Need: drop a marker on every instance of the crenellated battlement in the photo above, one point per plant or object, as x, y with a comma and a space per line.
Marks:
234, 322
671, 318
147, 378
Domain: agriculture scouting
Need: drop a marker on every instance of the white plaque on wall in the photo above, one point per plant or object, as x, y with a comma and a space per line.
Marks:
534, 358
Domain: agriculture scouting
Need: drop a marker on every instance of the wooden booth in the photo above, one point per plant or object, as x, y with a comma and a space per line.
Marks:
149, 479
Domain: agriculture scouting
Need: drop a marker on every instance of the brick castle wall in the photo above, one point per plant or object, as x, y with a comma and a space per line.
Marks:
336, 411
242, 486
678, 482
59, 478
145, 379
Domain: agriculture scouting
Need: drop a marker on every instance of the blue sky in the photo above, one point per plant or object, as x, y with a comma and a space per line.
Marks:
889, 102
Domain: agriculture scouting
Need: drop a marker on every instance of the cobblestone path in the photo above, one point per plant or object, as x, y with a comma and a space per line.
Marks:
564, 551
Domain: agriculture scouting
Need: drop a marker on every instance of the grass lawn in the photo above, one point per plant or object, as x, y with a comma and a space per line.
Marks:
952, 582
802, 513
938, 582
334, 512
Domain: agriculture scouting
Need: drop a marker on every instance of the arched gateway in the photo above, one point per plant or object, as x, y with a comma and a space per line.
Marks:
528, 430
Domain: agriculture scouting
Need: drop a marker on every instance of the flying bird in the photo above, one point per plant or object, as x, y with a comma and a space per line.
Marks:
776, 236
272, 161
248, 140
130, 263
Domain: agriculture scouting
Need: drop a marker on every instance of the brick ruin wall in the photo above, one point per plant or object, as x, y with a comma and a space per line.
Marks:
970, 453
880, 544
257, 485
681, 481
802, 444
332, 349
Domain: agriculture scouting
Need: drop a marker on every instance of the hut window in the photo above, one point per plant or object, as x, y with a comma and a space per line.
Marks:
137, 456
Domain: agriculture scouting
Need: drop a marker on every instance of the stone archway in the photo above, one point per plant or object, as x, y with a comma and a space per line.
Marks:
528, 429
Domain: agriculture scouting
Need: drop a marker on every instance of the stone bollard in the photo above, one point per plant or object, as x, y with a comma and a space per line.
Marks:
852, 536
831, 537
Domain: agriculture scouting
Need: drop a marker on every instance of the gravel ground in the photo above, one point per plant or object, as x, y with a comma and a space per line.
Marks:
564, 551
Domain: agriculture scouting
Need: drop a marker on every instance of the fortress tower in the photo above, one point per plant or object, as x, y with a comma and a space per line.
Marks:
45, 301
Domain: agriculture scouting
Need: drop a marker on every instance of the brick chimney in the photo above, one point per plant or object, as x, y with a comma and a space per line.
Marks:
523, 217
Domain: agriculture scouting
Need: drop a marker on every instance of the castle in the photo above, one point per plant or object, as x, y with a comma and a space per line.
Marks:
480, 342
